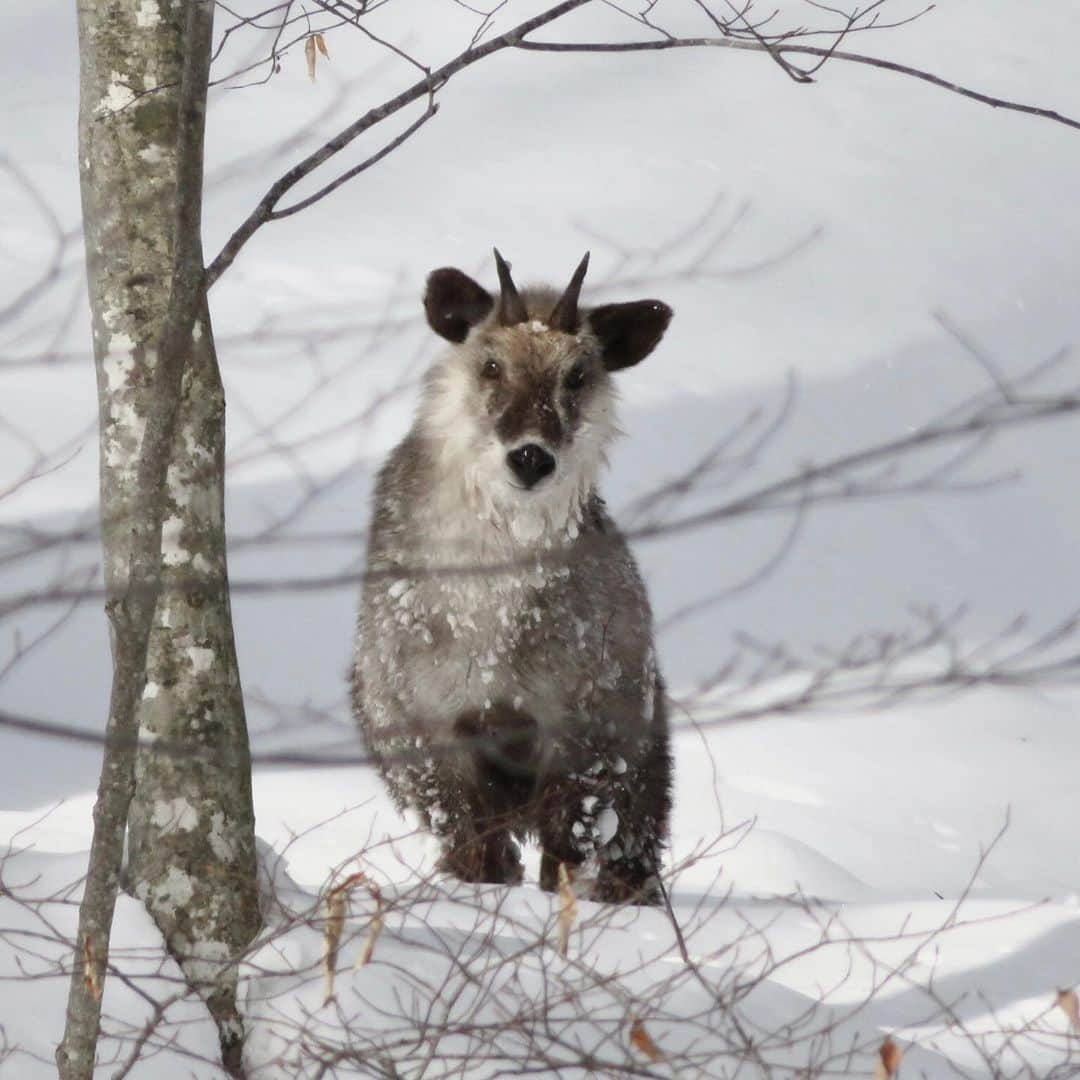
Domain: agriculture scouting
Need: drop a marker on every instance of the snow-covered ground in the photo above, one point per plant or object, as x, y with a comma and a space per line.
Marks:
849, 842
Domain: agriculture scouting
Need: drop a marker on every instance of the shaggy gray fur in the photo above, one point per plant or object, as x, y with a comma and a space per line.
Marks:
505, 679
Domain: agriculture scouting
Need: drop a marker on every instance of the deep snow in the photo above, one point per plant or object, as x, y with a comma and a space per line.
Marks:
910, 201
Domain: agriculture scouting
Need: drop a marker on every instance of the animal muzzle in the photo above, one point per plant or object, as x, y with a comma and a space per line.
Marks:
530, 464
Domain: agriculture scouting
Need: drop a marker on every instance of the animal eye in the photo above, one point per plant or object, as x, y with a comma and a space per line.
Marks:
491, 370
575, 378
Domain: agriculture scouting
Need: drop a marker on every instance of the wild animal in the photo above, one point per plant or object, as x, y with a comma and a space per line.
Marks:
505, 678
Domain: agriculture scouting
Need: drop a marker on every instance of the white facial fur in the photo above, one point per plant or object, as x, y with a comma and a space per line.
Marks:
475, 483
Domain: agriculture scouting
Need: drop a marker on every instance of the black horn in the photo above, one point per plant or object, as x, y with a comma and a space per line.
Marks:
564, 316
511, 306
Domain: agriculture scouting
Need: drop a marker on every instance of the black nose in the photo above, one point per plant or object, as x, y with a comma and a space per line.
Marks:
531, 463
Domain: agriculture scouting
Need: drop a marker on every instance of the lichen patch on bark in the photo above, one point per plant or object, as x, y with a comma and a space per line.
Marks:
148, 16
118, 95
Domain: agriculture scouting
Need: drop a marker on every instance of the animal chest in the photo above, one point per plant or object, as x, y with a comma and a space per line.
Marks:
459, 642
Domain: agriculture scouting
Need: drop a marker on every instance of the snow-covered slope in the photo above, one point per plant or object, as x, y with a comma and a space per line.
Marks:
896, 201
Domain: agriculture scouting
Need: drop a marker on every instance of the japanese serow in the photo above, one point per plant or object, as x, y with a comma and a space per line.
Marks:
505, 680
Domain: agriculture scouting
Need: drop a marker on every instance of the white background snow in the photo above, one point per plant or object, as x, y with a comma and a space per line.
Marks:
898, 201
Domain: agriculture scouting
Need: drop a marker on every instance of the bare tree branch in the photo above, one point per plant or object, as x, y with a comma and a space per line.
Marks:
426, 87
802, 50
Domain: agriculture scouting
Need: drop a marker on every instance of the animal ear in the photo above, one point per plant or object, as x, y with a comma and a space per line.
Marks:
454, 303
629, 332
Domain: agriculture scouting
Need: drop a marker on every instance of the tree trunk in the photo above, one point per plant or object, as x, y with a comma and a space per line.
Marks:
185, 789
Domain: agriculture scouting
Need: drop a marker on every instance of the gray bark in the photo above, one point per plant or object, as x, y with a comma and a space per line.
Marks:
144, 72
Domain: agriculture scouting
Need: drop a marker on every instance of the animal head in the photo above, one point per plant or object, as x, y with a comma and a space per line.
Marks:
523, 406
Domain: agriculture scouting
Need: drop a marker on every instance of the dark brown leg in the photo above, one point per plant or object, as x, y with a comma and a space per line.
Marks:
487, 855
630, 861
564, 826
500, 748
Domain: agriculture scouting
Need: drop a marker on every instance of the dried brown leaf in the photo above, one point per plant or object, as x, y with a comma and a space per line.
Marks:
309, 55
374, 929
887, 1066
1069, 1003
568, 909
320, 41
642, 1041
336, 900
335, 921
90, 973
